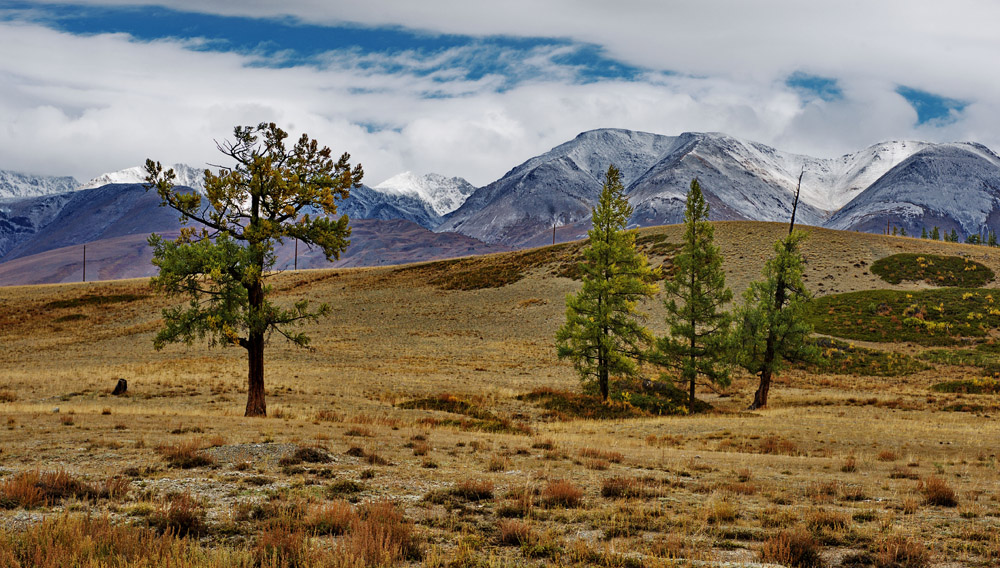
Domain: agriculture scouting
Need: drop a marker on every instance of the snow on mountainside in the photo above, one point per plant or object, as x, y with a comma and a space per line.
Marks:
741, 180
186, 176
951, 186
15, 185
443, 194
557, 188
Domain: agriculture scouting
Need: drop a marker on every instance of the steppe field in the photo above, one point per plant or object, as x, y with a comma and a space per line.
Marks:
431, 423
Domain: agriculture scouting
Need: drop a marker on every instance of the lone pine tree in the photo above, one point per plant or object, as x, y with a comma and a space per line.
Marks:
603, 334
770, 323
695, 298
223, 261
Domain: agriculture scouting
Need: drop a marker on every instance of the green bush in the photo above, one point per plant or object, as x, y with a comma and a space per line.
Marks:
843, 358
933, 269
928, 317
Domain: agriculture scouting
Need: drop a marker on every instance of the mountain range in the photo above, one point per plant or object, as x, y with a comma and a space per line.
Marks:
904, 184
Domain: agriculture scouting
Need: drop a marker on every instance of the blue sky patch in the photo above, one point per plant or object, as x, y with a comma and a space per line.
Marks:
931, 108
288, 42
815, 86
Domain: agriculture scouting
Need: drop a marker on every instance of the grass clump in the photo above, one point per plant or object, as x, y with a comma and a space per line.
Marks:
985, 356
628, 399
91, 542
927, 317
936, 491
182, 515
479, 419
932, 269
796, 548
561, 493
185, 455
984, 385
94, 300
842, 358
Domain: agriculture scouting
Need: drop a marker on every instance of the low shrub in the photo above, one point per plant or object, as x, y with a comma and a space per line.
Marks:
185, 455
513, 532
561, 493
932, 269
796, 548
182, 515
937, 492
900, 552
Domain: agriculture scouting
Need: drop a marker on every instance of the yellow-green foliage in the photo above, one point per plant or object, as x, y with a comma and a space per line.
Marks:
844, 358
927, 317
933, 269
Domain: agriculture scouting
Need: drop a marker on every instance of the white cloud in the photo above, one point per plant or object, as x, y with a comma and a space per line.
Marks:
82, 105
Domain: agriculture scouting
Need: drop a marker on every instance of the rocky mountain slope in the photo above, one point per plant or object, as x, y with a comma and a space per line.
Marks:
909, 185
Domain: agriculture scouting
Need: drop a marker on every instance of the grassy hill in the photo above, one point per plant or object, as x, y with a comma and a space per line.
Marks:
414, 393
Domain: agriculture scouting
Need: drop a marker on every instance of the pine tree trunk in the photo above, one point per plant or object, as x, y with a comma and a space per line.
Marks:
256, 405
694, 372
760, 397
602, 377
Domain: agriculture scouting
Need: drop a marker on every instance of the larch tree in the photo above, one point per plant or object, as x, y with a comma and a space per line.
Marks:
222, 261
695, 300
604, 335
770, 323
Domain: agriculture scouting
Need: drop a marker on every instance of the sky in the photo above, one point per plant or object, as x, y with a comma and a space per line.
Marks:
473, 88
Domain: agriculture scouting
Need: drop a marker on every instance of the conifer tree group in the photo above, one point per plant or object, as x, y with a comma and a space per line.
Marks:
604, 336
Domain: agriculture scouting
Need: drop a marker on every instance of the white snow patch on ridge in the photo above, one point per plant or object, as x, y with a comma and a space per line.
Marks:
443, 194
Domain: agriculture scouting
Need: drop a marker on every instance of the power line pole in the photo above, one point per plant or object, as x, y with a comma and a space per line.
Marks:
84, 263
296, 254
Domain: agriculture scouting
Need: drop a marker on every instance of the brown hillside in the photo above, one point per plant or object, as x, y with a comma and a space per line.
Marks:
845, 458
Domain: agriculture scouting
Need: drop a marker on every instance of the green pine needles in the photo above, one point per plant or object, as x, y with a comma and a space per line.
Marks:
222, 262
770, 324
603, 334
695, 303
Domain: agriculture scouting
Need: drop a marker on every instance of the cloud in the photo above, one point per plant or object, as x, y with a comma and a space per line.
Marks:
807, 78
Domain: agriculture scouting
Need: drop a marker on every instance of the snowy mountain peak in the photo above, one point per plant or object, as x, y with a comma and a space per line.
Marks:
186, 176
15, 185
443, 194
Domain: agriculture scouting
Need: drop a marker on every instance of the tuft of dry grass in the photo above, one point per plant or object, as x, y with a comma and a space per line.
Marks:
604, 455
331, 518
182, 515
186, 454
936, 491
381, 536
474, 489
514, 532
796, 548
561, 493
900, 552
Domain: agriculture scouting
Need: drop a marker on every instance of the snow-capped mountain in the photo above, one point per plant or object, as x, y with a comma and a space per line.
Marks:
951, 186
557, 188
443, 194
367, 203
186, 176
741, 180
15, 185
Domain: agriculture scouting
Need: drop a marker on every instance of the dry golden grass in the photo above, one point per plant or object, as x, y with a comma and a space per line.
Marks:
848, 460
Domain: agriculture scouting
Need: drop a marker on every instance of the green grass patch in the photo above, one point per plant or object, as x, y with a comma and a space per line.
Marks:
628, 399
479, 419
945, 316
842, 358
984, 385
933, 269
70, 317
985, 356
94, 300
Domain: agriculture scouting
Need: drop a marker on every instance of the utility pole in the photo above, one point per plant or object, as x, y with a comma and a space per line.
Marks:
553, 233
84, 263
296, 254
